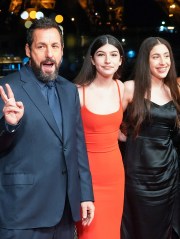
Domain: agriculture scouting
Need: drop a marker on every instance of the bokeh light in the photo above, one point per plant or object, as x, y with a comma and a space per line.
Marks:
131, 54
59, 18
39, 15
32, 14
27, 24
24, 15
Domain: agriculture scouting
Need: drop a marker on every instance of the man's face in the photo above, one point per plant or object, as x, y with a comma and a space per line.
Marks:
45, 53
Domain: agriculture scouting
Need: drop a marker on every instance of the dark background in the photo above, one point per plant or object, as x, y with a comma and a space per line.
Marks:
132, 20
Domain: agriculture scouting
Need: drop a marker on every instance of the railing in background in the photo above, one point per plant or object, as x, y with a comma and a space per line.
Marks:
9, 64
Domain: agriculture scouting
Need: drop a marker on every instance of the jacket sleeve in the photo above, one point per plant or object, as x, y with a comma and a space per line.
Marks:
6, 135
83, 164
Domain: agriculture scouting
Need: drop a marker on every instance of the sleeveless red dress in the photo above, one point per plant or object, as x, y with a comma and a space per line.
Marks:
101, 134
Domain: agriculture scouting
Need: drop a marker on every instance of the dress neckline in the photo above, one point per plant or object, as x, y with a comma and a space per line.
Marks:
163, 105
108, 114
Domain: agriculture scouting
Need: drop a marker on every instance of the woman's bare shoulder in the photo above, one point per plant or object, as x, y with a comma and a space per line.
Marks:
78, 86
80, 91
129, 85
121, 87
121, 84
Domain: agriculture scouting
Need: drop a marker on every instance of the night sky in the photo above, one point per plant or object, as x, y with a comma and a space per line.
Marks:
141, 19
143, 13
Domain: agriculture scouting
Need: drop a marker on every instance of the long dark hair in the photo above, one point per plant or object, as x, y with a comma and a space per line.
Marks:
142, 78
88, 71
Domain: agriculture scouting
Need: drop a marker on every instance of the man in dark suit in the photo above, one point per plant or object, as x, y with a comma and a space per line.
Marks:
44, 171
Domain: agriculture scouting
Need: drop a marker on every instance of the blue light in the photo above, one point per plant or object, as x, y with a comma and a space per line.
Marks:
131, 54
25, 60
162, 28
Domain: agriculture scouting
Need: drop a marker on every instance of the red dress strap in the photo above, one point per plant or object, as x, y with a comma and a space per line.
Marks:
83, 88
118, 91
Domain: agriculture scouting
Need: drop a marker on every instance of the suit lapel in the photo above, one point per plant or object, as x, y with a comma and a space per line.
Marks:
37, 99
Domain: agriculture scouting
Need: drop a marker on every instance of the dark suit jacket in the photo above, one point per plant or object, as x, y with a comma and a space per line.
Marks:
38, 166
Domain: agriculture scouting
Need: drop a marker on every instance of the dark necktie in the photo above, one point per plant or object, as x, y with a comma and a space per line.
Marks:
54, 104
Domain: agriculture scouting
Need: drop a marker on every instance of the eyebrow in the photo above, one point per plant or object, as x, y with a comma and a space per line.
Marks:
105, 51
160, 53
44, 43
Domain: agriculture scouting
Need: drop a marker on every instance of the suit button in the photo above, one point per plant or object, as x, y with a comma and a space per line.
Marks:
64, 171
65, 149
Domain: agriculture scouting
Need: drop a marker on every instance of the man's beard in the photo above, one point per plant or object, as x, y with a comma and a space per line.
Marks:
44, 77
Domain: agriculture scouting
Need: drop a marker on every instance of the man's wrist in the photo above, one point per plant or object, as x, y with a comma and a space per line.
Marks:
11, 128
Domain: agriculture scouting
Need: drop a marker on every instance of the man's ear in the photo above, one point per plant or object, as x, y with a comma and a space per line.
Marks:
27, 50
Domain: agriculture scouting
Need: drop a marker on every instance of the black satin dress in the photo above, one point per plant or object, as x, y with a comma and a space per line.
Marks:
176, 223
151, 167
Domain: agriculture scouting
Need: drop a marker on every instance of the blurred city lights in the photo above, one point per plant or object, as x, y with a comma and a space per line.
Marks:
24, 15
32, 14
131, 54
39, 15
59, 18
27, 24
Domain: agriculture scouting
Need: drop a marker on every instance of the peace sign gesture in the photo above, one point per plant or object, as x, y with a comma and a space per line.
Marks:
13, 110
